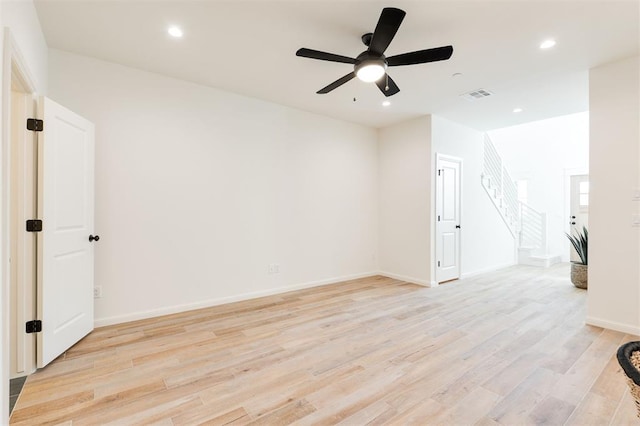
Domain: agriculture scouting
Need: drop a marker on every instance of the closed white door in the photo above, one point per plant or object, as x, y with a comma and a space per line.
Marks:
448, 198
65, 252
579, 214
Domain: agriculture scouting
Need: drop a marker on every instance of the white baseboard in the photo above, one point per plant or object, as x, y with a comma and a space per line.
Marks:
486, 270
613, 325
413, 280
167, 310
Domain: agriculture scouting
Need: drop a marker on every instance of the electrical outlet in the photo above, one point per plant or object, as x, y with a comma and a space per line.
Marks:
274, 268
97, 292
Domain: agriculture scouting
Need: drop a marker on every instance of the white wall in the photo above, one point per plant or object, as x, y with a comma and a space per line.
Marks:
614, 249
199, 190
486, 243
21, 19
405, 200
546, 153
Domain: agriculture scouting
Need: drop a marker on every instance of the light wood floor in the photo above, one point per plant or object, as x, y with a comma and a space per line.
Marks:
506, 348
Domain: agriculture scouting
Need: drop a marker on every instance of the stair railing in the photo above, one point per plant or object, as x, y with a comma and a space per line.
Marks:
521, 219
533, 228
500, 186
510, 195
493, 166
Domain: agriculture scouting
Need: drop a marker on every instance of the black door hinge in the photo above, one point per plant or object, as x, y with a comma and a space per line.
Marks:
34, 225
34, 326
438, 263
35, 125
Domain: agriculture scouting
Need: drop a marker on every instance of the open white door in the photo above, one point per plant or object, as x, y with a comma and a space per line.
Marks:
65, 252
448, 198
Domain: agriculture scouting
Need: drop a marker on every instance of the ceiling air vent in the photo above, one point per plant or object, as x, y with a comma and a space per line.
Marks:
476, 94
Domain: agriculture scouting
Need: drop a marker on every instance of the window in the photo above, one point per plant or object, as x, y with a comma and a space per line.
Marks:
523, 194
584, 194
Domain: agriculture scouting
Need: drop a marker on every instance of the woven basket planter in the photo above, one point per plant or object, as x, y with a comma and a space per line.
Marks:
579, 275
629, 359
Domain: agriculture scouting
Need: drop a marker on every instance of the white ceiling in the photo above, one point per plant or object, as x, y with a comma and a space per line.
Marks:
248, 47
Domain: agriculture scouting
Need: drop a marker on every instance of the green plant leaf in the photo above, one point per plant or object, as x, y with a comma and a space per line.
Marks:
580, 243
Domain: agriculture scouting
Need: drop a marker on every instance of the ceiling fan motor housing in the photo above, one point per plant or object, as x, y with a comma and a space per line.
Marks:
366, 38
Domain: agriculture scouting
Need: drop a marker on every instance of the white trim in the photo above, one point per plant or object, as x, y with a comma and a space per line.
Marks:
18, 66
152, 313
486, 270
405, 278
13, 67
613, 325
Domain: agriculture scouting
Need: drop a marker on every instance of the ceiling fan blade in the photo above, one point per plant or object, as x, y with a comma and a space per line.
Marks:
339, 82
324, 56
387, 86
421, 56
388, 24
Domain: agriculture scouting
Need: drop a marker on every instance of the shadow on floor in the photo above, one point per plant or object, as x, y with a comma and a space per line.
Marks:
15, 387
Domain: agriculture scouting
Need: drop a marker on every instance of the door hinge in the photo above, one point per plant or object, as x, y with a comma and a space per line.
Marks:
439, 172
35, 124
438, 263
34, 225
34, 326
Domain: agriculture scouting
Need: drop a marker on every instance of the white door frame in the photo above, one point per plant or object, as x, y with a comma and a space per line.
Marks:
440, 157
22, 206
567, 203
14, 70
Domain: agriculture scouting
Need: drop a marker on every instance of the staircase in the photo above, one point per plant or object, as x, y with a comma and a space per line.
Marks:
527, 225
500, 188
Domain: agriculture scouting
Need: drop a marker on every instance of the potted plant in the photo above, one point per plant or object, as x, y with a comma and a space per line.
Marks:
580, 243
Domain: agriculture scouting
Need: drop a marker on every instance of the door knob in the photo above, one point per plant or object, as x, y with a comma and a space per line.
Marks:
94, 238
573, 217
573, 223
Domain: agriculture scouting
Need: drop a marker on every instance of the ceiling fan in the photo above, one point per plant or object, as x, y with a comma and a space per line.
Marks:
371, 65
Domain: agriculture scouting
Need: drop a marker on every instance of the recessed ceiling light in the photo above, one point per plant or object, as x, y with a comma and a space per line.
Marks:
386, 103
517, 110
547, 44
175, 32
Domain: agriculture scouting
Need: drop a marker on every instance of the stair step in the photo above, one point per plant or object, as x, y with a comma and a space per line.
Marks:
539, 260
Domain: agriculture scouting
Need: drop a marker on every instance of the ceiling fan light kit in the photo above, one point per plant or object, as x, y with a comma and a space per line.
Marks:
371, 65
370, 69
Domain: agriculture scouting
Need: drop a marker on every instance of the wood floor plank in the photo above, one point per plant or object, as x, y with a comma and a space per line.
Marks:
551, 411
468, 410
593, 410
515, 407
508, 347
626, 413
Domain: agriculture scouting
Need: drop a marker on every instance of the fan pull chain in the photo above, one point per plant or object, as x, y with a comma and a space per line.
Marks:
386, 88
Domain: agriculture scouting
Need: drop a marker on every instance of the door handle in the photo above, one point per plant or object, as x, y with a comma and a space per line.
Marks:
94, 238
573, 223
457, 226
573, 217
